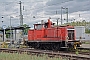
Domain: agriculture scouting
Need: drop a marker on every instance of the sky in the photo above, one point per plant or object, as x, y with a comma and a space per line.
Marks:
78, 10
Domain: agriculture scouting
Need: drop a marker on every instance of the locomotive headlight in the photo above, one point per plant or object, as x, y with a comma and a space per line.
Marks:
80, 45
67, 38
75, 47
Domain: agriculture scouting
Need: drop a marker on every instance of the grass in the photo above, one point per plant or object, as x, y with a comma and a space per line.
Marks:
16, 56
87, 43
84, 50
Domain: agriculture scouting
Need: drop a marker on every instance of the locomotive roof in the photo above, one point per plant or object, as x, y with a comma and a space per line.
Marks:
68, 26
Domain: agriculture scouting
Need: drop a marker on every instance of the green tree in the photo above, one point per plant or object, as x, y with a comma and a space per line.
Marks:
26, 29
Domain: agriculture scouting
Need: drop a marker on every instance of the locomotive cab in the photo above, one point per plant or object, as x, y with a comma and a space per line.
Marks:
72, 42
71, 34
38, 26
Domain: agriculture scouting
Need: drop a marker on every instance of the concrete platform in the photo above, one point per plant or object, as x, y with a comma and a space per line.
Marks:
85, 45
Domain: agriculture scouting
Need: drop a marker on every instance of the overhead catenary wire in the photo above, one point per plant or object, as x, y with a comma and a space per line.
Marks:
28, 10
31, 2
38, 7
5, 4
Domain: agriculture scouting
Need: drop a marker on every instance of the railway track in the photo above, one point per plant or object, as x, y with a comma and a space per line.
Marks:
70, 56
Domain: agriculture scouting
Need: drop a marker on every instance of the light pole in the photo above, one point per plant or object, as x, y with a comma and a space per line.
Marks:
21, 15
4, 27
10, 29
66, 13
3, 31
57, 24
2, 21
61, 15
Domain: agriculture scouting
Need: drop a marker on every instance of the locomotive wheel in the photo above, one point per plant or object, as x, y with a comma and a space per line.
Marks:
37, 45
53, 47
56, 47
45, 47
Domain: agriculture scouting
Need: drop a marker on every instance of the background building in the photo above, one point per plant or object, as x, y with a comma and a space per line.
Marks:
80, 33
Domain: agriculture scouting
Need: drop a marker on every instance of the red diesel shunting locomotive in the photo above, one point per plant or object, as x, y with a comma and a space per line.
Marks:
46, 36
